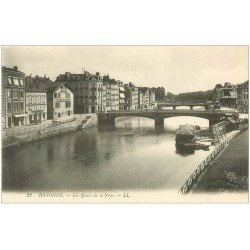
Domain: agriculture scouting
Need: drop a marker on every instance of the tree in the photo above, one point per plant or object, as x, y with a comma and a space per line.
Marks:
170, 97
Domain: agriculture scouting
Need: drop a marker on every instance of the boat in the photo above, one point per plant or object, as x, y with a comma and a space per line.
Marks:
185, 133
186, 139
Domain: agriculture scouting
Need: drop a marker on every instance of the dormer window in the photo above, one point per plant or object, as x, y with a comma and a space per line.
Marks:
9, 80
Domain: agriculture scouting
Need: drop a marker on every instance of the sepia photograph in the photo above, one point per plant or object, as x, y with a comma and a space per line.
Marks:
125, 124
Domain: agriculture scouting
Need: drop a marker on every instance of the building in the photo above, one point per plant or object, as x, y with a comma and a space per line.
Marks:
143, 98
131, 97
89, 93
242, 97
152, 103
121, 96
37, 79
146, 98
226, 95
112, 93
36, 103
13, 97
60, 100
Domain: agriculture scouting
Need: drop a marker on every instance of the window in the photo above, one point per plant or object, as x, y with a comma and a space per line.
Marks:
43, 99
21, 81
33, 99
21, 106
16, 82
55, 95
9, 106
15, 94
21, 94
9, 93
39, 99
9, 80
15, 106
29, 99
68, 104
59, 96
57, 105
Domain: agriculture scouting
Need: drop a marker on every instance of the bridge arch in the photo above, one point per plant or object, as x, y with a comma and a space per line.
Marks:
159, 116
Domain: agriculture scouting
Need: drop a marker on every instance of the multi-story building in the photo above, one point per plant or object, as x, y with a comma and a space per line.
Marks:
13, 97
152, 102
146, 98
121, 96
143, 95
37, 79
112, 93
89, 95
226, 95
36, 102
131, 97
60, 100
242, 97
36, 98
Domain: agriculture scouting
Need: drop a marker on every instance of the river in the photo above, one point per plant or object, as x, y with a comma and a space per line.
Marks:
133, 155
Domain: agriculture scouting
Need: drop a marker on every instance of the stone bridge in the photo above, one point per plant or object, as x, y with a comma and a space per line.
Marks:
186, 103
214, 116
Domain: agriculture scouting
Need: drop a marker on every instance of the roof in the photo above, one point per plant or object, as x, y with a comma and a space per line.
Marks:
184, 131
11, 69
187, 126
53, 86
35, 87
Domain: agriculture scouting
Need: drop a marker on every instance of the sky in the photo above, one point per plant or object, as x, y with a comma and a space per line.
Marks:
176, 68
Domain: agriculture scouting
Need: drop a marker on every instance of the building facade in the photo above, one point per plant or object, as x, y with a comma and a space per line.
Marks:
152, 102
131, 97
146, 98
112, 93
60, 100
143, 98
242, 97
226, 95
121, 96
13, 97
89, 95
36, 98
36, 104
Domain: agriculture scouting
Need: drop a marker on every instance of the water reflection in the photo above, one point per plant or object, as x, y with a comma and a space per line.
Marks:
133, 154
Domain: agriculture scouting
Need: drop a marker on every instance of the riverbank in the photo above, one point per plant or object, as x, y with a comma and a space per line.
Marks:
22, 136
229, 170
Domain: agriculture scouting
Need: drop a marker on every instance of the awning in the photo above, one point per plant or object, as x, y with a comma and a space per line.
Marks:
122, 95
22, 115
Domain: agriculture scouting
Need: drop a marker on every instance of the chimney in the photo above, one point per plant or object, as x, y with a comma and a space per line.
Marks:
97, 73
15, 68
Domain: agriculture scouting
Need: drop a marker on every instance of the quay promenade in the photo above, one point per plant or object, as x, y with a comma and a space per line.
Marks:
229, 171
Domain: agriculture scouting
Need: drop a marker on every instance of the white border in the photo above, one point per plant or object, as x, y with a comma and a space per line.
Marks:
124, 226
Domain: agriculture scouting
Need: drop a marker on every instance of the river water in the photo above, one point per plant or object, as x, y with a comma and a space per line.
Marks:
133, 155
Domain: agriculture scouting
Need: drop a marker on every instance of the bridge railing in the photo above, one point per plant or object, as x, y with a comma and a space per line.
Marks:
206, 163
165, 111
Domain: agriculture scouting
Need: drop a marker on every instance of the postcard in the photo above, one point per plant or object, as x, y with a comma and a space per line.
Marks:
125, 124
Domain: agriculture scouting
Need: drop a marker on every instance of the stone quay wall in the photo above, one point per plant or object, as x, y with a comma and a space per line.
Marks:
22, 135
